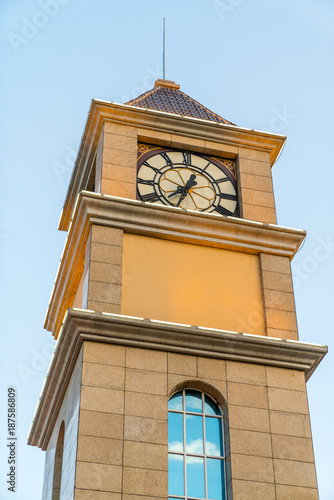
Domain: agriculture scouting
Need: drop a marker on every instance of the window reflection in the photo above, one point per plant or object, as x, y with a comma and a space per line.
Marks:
196, 449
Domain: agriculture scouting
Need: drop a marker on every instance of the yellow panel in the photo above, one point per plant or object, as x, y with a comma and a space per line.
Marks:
192, 284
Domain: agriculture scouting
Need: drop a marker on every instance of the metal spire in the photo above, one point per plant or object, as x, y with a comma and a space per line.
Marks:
164, 51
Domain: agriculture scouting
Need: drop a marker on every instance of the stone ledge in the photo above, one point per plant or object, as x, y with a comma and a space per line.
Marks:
80, 325
161, 222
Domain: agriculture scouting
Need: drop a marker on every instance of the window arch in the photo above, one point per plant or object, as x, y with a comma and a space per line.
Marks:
196, 457
57, 471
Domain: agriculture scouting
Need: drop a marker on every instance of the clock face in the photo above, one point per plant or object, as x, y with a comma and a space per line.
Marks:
187, 180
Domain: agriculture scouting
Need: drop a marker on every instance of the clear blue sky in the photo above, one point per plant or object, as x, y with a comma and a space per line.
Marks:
263, 65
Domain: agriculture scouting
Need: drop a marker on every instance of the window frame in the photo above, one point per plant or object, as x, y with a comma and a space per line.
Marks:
205, 455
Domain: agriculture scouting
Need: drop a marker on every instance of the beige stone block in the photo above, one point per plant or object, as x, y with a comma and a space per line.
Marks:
290, 424
146, 381
118, 129
100, 450
220, 149
117, 173
93, 423
282, 334
145, 405
182, 364
104, 292
246, 372
105, 400
109, 254
122, 159
107, 235
254, 154
95, 305
95, 495
284, 301
183, 141
275, 263
250, 490
146, 430
145, 482
247, 395
119, 189
219, 385
106, 273
295, 473
211, 368
146, 359
98, 375
258, 214
177, 382
292, 448
256, 167
153, 137
281, 320
277, 281
250, 443
259, 198
256, 182
251, 468
287, 400
295, 493
126, 143
106, 354
92, 476
286, 379
253, 419
145, 455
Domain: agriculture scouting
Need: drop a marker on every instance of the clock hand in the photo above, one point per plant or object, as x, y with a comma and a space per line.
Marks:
184, 190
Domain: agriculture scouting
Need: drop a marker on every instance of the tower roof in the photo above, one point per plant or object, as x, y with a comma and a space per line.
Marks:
166, 96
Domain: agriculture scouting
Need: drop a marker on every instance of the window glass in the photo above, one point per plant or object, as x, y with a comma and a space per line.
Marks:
210, 407
215, 478
194, 401
175, 475
214, 438
175, 402
175, 432
195, 477
194, 434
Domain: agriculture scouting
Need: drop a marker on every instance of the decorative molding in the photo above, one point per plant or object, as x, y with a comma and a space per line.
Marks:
161, 124
163, 222
80, 325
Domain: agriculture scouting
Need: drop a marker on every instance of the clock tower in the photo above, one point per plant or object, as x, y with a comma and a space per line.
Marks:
177, 372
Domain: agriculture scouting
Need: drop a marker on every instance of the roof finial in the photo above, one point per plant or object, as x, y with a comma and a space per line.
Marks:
164, 51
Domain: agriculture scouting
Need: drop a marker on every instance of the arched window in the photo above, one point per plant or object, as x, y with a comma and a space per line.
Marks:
196, 458
57, 473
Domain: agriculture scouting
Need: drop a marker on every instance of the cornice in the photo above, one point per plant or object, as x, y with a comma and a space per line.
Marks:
159, 122
80, 325
164, 222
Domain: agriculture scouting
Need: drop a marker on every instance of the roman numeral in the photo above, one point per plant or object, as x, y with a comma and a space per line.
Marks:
145, 181
186, 158
151, 197
167, 159
223, 179
222, 211
226, 196
153, 168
